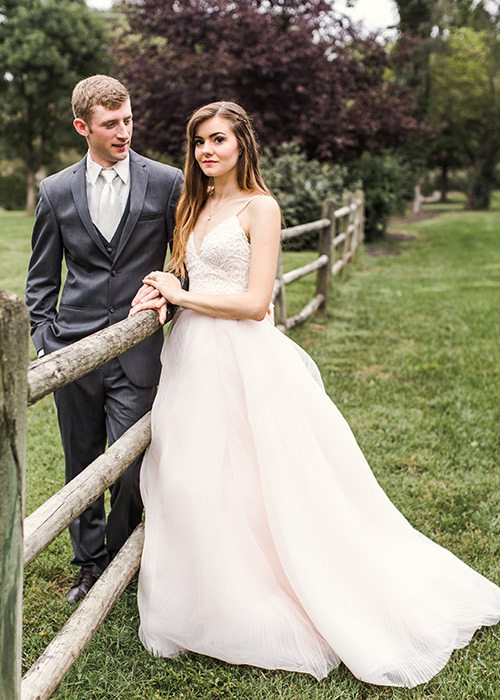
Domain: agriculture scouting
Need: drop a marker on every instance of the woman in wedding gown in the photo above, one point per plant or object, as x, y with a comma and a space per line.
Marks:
268, 540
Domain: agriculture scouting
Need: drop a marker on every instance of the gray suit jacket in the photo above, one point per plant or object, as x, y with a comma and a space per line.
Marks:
99, 288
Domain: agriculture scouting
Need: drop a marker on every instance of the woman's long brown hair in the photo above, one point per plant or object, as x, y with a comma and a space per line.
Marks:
197, 184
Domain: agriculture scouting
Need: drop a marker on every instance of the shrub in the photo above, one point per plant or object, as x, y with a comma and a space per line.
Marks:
300, 186
12, 191
388, 183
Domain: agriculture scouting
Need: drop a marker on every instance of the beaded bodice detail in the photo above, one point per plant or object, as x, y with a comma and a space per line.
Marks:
222, 263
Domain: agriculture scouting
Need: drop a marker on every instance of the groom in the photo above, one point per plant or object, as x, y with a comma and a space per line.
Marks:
111, 217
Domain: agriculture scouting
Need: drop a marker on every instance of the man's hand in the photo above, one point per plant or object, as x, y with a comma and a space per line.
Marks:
157, 289
158, 304
148, 297
145, 293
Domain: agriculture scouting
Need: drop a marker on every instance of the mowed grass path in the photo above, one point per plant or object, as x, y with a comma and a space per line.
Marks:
409, 352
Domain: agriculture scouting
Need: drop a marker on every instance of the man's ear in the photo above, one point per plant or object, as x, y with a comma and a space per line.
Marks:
81, 126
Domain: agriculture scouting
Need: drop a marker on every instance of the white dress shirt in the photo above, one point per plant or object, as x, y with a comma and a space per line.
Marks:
121, 184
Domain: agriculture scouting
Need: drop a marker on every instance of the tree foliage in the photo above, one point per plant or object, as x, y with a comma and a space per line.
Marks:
465, 85
455, 83
46, 46
387, 180
301, 186
300, 72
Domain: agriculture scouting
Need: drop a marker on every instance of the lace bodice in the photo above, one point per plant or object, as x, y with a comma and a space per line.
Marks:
222, 263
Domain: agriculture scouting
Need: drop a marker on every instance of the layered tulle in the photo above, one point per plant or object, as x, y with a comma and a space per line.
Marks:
268, 540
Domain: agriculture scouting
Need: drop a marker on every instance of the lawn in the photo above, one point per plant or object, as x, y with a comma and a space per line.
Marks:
409, 352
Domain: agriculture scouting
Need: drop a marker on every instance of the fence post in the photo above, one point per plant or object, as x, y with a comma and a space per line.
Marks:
361, 231
13, 413
280, 301
346, 247
325, 248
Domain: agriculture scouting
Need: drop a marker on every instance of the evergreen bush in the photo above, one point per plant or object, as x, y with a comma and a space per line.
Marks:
301, 186
388, 183
12, 191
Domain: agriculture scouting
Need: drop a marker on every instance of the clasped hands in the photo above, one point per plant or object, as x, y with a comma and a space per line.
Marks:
156, 290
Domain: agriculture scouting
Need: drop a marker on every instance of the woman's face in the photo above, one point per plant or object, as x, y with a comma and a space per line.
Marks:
216, 147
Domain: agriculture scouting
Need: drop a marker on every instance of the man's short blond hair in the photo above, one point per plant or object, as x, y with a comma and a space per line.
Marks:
97, 90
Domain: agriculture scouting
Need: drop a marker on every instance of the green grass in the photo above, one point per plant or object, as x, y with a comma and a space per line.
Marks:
409, 352
15, 232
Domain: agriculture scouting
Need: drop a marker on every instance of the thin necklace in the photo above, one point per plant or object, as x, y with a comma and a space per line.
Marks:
219, 205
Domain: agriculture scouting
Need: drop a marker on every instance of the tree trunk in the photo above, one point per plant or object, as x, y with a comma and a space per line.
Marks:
443, 184
481, 182
13, 411
417, 200
30, 192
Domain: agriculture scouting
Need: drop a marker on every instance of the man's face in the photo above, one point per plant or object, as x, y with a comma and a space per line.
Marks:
108, 134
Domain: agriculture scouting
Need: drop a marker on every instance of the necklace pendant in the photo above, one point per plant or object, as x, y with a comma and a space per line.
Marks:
208, 218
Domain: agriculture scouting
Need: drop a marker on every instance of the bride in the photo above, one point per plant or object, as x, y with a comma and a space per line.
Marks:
268, 540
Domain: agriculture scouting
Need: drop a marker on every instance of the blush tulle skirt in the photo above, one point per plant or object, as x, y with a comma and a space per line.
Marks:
268, 540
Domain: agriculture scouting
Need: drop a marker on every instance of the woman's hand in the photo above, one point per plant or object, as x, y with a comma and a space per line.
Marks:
165, 284
147, 297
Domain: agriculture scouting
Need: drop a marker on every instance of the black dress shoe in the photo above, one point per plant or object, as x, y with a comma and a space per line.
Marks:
82, 586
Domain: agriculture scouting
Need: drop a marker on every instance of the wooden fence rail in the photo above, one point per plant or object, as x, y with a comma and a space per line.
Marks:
340, 234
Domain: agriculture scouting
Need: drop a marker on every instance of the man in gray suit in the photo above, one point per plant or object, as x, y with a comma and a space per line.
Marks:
111, 216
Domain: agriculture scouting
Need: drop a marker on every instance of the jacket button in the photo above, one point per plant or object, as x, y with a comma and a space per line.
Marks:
113, 273
112, 309
109, 249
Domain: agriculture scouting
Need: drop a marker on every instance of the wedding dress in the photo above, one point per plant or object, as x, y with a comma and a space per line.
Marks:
268, 540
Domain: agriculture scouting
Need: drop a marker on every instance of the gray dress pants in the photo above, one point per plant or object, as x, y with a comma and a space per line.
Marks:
92, 412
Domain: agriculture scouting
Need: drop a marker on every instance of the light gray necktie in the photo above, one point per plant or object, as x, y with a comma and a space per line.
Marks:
109, 205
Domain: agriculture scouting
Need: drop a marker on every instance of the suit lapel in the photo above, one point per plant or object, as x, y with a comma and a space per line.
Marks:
79, 191
138, 184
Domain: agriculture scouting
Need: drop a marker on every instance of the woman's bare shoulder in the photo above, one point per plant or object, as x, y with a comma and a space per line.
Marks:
262, 204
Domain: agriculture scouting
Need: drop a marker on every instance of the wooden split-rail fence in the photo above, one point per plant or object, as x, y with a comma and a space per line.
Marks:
23, 539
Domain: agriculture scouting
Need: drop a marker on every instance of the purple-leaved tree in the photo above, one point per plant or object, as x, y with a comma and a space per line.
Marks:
303, 73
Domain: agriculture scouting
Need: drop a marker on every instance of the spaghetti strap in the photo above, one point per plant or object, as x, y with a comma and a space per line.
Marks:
246, 204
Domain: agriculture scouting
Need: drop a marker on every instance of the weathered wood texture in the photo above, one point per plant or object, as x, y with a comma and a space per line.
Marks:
340, 235
299, 272
48, 671
13, 398
339, 239
294, 231
326, 251
279, 297
337, 266
64, 366
308, 310
50, 519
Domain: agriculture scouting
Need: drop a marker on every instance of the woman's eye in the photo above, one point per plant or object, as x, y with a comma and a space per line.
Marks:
219, 139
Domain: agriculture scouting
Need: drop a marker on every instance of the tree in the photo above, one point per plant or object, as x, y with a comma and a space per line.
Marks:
423, 45
465, 83
46, 46
302, 74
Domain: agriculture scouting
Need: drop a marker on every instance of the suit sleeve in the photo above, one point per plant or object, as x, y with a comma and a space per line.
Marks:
44, 272
172, 204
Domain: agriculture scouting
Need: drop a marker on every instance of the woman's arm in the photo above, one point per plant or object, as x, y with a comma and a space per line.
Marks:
264, 225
